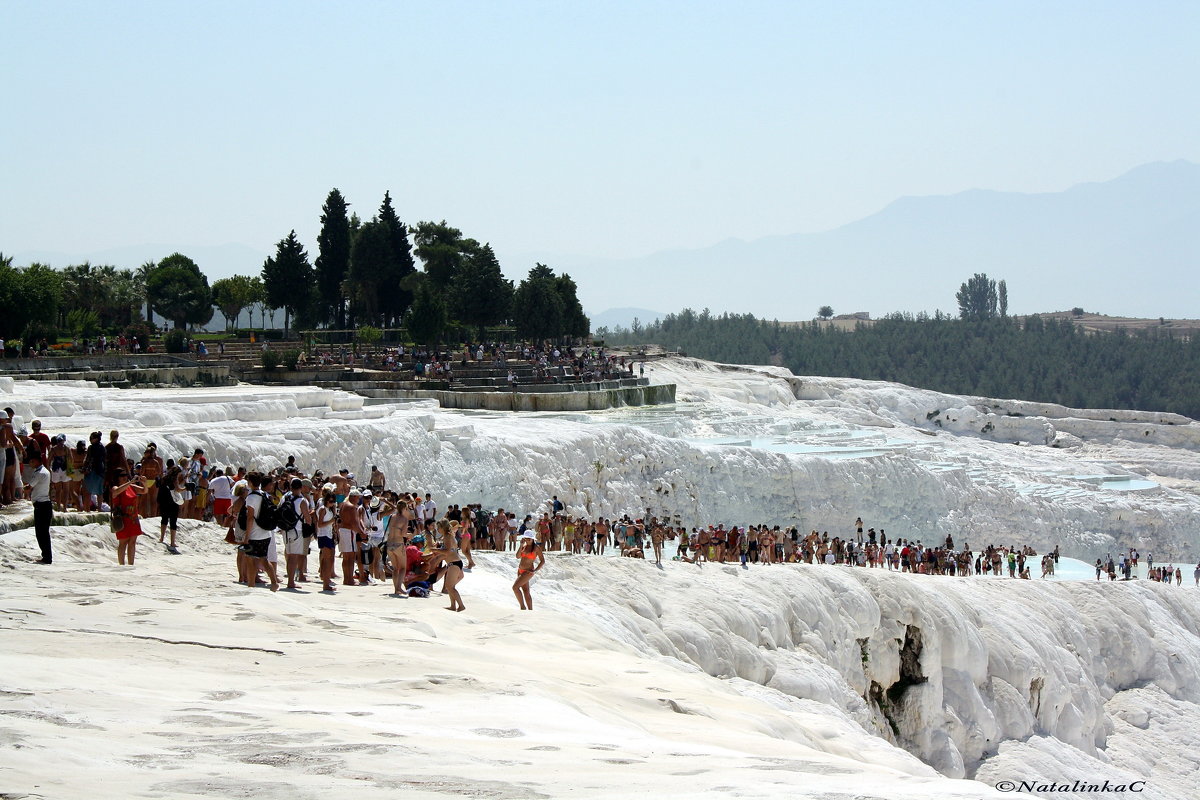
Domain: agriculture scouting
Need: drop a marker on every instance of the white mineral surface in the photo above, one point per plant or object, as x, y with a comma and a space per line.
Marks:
168, 679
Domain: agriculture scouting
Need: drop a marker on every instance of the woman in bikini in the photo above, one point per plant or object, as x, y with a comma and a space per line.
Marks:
152, 470
452, 573
466, 540
529, 553
60, 461
75, 474
397, 543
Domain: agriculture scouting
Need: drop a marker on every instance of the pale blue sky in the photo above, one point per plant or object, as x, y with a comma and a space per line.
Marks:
601, 129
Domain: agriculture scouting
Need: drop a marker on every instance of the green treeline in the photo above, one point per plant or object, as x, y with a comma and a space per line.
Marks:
1043, 360
429, 278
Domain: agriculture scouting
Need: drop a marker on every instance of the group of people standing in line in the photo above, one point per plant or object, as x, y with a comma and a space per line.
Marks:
383, 535
379, 534
1126, 563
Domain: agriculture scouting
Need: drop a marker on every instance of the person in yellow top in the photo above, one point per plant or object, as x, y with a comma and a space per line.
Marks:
152, 470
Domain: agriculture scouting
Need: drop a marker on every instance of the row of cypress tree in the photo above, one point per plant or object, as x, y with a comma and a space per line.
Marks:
365, 273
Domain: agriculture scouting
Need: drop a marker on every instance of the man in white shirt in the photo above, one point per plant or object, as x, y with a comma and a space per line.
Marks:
38, 489
259, 540
428, 508
222, 493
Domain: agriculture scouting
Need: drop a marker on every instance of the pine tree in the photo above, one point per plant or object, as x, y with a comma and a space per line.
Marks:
333, 259
428, 317
538, 306
395, 299
574, 322
287, 279
441, 248
481, 294
370, 260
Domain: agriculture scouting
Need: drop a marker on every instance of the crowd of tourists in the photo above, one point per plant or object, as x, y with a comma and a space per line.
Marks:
1125, 564
365, 532
549, 363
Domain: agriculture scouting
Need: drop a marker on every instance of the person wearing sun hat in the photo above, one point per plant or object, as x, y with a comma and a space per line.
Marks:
368, 544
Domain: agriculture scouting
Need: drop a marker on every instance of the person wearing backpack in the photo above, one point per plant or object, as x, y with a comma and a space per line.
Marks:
293, 510
94, 469
260, 523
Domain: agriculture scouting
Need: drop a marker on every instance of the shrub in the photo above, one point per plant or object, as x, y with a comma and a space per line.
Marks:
289, 358
36, 331
83, 323
175, 341
270, 360
369, 335
141, 332
259, 335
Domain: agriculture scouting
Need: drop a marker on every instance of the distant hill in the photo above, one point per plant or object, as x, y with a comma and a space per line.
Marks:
1130, 245
623, 317
1183, 328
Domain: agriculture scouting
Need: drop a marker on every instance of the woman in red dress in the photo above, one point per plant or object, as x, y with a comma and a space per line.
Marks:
125, 520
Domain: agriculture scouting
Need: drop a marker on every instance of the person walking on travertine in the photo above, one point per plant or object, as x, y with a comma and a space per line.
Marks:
9, 490
259, 539
126, 522
114, 459
378, 481
43, 510
529, 553
397, 543
349, 528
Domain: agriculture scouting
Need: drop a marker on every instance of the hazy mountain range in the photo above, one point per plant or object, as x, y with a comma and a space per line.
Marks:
624, 317
1126, 246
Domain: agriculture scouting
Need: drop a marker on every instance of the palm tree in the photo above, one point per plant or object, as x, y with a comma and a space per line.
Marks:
143, 275
127, 290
